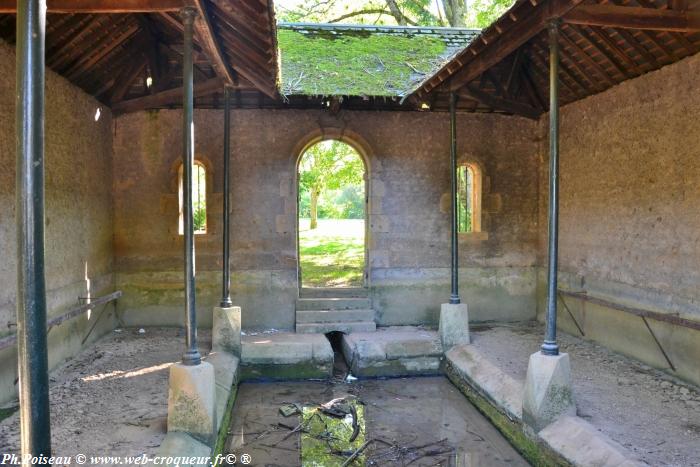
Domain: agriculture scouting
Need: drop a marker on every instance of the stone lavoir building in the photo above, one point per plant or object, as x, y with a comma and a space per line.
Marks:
577, 122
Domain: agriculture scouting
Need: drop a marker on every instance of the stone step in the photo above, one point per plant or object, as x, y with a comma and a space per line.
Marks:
321, 304
334, 316
347, 328
334, 292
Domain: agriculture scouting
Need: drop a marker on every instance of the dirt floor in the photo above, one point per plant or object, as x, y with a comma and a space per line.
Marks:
652, 414
412, 421
112, 399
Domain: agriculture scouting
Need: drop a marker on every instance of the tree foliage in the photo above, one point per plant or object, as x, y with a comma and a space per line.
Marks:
328, 165
455, 13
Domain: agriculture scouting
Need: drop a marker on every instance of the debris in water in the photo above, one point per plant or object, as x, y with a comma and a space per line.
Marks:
333, 434
289, 409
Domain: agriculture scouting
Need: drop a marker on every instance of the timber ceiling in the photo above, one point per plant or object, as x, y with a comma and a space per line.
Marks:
111, 48
602, 44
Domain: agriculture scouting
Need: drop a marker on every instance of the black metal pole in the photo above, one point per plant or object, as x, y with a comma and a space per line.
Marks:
454, 295
226, 292
33, 367
550, 346
191, 356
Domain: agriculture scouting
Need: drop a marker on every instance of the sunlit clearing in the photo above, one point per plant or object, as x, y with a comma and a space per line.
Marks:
97, 114
127, 374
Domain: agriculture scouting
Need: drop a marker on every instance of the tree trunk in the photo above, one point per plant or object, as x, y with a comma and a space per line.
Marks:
455, 11
396, 12
314, 208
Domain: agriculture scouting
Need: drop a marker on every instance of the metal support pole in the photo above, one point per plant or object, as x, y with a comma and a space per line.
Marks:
226, 292
454, 295
191, 355
32, 358
550, 346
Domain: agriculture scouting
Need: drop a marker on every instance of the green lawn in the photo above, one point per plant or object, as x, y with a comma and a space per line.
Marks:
333, 254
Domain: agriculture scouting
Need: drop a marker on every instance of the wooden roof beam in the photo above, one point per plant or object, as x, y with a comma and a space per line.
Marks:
211, 45
506, 105
503, 45
165, 98
624, 17
101, 6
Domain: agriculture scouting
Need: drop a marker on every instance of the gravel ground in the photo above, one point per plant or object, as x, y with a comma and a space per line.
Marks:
652, 414
112, 399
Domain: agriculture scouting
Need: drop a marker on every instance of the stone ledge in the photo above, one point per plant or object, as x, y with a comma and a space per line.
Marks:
582, 444
500, 388
286, 356
393, 351
571, 438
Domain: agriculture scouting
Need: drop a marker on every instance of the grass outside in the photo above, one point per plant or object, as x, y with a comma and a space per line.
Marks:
333, 254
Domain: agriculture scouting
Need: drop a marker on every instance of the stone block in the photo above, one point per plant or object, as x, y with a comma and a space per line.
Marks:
266, 350
225, 368
548, 394
581, 443
226, 330
192, 401
454, 325
474, 366
184, 451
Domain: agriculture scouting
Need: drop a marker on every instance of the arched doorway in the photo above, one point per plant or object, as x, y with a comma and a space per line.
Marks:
332, 216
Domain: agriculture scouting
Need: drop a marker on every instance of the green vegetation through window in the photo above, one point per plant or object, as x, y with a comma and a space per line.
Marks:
468, 198
331, 216
199, 199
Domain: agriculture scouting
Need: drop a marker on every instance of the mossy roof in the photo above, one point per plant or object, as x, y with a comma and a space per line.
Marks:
363, 60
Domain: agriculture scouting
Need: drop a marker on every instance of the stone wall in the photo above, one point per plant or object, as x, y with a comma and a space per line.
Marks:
407, 155
630, 223
78, 214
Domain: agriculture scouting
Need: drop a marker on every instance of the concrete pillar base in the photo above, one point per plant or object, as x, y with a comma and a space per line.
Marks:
454, 325
192, 401
548, 393
226, 330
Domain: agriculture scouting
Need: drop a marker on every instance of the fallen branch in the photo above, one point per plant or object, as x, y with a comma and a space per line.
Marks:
356, 453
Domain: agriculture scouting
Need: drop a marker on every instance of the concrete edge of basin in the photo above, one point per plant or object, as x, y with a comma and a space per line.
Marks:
182, 447
569, 441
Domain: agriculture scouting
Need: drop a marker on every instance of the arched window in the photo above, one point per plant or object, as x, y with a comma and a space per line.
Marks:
468, 198
199, 198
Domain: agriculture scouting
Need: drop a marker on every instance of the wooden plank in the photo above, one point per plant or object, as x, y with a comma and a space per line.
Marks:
621, 55
127, 76
625, 17
583, 32
655, 315
87, 61
211, 45
7, 341
517, 35
579, 52
497, 103
168, 97
101, 6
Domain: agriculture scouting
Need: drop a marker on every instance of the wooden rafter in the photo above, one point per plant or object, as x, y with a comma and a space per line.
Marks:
473, 92
169, 97
504, 44
210, 44
625, 17
101, 6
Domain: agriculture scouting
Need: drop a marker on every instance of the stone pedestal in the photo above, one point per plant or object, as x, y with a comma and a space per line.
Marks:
226, 330
548, 393
192, 401
454, 325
